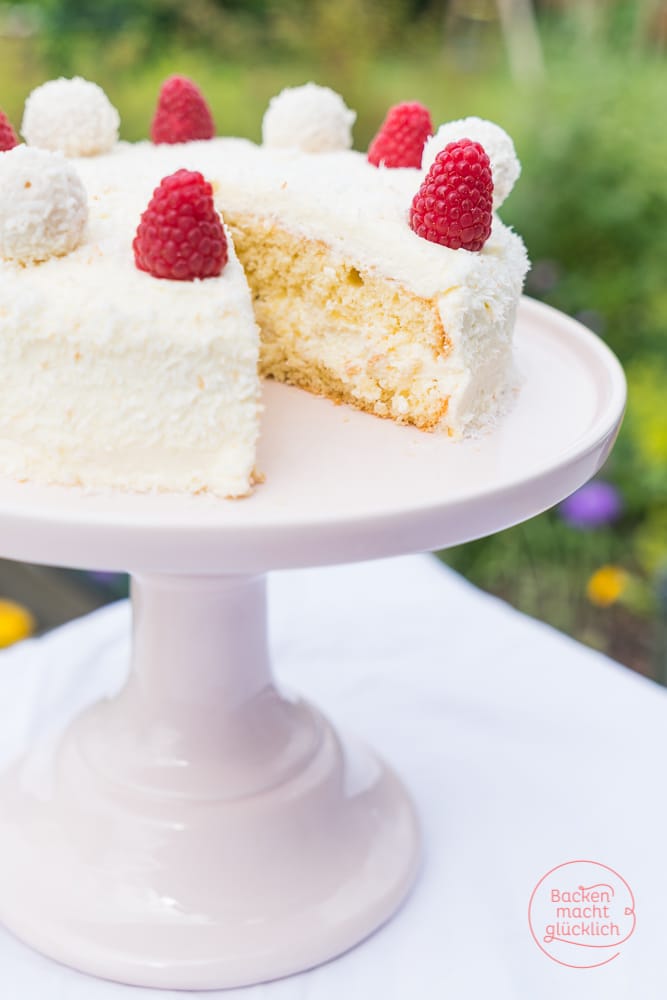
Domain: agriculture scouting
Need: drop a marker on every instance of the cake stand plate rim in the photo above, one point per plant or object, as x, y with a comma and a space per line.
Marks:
420, 491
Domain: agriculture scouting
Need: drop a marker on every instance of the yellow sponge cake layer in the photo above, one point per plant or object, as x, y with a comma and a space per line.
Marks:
338, 330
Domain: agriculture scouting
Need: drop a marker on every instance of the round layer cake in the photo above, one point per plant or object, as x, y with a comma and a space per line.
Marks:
112, 376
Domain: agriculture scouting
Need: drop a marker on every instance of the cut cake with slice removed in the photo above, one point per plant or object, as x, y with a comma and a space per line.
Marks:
351, 303
112, 377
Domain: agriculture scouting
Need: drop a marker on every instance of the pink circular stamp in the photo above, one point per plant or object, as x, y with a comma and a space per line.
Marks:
580, 913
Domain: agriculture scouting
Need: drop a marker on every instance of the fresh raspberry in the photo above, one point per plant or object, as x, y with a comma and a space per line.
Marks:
454, 204
8, 137
180, 235
182, 113
400, 141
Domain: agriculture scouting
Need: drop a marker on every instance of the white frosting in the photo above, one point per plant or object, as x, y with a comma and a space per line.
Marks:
310, 118
339, 198
73, 116
505, 166
43, 205
112, 378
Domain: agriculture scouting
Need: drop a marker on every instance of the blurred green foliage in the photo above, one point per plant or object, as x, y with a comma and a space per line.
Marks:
591, 204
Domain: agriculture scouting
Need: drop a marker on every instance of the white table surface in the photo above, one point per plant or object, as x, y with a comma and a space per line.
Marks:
523, 750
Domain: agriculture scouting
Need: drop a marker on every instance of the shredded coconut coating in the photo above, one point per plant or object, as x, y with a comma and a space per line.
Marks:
505, 166
74, 117
310, 118
43, 205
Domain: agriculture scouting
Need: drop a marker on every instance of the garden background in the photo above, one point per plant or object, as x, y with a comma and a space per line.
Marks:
581, 85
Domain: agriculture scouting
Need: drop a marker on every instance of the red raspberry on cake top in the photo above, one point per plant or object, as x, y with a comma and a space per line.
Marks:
8, 137
454, 205
400, 141
182, 113
180, 235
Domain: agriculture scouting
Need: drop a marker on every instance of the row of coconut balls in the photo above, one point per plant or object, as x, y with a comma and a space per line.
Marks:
75, 117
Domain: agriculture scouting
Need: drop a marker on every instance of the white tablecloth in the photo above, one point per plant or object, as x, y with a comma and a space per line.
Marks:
522, 749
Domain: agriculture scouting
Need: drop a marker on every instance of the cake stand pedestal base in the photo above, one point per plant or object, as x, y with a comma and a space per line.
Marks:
202, 829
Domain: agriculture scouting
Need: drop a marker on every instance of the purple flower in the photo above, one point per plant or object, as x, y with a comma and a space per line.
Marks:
104, 578
594, 504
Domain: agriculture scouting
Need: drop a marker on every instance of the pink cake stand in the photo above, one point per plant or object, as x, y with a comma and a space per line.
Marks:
204, 829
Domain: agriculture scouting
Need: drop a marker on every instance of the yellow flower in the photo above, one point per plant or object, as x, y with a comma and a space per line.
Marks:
606, 585
16, 623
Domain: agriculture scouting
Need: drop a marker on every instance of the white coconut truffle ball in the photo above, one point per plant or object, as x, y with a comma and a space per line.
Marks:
74, 117
43, 205
311, 118
505, 166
